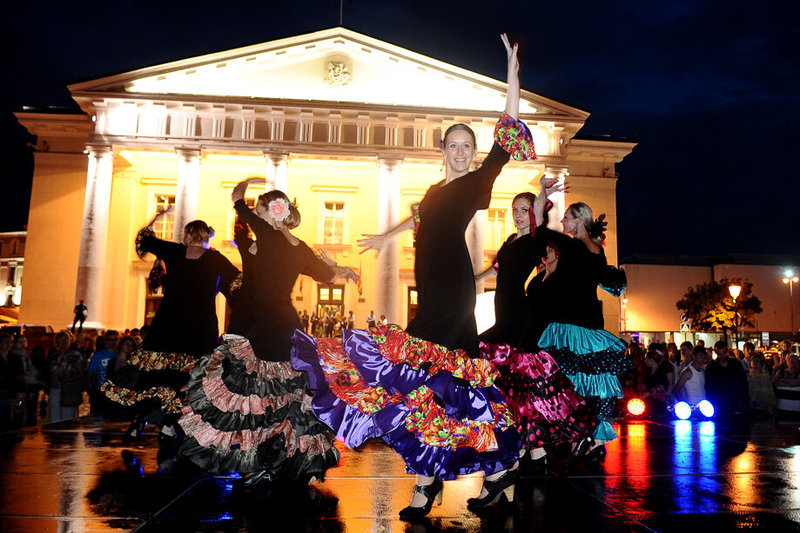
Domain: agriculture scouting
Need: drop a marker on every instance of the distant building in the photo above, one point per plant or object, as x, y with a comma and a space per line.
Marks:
12, 259
347, 124
656, 283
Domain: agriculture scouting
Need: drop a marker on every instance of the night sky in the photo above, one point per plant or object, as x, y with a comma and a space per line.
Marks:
709, 89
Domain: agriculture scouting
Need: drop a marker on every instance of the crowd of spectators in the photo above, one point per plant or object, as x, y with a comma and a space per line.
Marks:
37, 385
734, 381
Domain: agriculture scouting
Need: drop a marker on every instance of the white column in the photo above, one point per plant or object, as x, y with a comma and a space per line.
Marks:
188, 190
475, 239
559, 201
277, 170
94, 231
388, 264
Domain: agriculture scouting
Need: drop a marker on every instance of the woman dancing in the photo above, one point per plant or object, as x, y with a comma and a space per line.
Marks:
248, 410
183, 329
549, 412
420, 389
568, 319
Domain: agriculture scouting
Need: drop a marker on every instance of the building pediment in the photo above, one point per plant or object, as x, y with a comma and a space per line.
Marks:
333, 65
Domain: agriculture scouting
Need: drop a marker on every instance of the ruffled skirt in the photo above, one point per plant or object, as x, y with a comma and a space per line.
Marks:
437, 408
549, 412
151, 383
591, 359
245, 415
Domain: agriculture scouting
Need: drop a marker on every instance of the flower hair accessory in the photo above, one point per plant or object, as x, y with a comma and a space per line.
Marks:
278, 209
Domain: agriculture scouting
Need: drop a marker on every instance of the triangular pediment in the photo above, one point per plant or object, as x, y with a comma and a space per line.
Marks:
335, 65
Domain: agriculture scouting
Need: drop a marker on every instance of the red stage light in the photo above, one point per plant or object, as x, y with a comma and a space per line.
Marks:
636, 407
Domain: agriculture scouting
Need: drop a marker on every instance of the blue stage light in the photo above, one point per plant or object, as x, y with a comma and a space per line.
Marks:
682, 410
706, 408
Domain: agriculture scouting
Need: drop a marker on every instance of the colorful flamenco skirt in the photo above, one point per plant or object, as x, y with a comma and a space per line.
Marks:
150, 384
549, 412
591, 359
246, 415
437, 408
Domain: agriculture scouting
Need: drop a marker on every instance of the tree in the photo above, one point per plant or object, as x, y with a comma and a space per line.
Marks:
710, 306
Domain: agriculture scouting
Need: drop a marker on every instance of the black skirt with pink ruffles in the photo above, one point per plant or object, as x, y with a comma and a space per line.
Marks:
246, 415
549, 412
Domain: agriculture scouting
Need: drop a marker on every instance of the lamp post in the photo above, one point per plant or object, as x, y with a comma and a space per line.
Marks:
790, 279
735, 291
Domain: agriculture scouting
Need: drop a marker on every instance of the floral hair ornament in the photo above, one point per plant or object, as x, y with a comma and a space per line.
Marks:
278, 209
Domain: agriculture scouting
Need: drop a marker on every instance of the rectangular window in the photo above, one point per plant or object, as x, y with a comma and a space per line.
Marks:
165, 225
496, 229
333, 217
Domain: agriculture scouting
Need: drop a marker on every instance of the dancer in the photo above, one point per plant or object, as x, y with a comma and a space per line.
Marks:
549, 412
248, 410
420, 389
184, 327
568, 319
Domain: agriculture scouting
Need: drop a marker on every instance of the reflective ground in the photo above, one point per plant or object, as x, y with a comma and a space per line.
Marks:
658, 476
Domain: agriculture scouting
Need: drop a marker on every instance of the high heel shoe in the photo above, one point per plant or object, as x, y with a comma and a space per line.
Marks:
502, 487
534, 467
582, 446
432, 492
256, 477
134, 431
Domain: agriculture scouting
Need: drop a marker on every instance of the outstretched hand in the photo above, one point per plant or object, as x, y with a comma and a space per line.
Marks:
348, 273
551, 186
371, 242
511, 54
241, 187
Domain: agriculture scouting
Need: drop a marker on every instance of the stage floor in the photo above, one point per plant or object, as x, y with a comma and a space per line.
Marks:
668, 476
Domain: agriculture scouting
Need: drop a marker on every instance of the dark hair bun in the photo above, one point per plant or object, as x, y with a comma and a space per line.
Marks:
597, 229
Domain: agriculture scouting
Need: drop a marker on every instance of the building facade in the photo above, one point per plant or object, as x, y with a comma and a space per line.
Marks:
655, 284
347, 124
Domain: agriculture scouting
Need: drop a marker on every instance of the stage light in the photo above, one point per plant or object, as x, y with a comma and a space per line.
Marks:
682, 410
636, 407
706, 408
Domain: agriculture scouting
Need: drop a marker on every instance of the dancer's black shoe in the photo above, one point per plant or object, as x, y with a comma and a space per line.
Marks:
432, 492
496, 491
257, 477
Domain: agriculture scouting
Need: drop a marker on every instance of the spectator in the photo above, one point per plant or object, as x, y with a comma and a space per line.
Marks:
384, 322
748, 351
789, 376
28, 380
633, 378
80, 311
67, 371
98, 367
10, 370
314, 325
659, 378
726, 382
780, 365
371, 320
304, 321
686, 356
691, 385
351, 320
745, 362
759, 385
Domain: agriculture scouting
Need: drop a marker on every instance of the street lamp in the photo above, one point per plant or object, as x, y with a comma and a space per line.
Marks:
735, 291
790, 280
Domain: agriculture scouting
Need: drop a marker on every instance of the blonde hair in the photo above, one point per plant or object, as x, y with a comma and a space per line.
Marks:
197, 230
595, 228
293, 220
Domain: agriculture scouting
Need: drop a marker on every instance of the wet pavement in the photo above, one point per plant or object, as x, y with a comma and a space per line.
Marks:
687, 476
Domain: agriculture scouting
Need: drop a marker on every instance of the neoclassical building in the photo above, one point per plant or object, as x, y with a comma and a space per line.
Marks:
347, 124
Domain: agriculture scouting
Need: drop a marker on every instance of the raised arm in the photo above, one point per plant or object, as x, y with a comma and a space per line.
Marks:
158, 216
241, 188
376, 242
512, 94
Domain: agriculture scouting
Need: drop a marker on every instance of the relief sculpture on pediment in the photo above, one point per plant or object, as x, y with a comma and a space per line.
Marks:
338, 74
